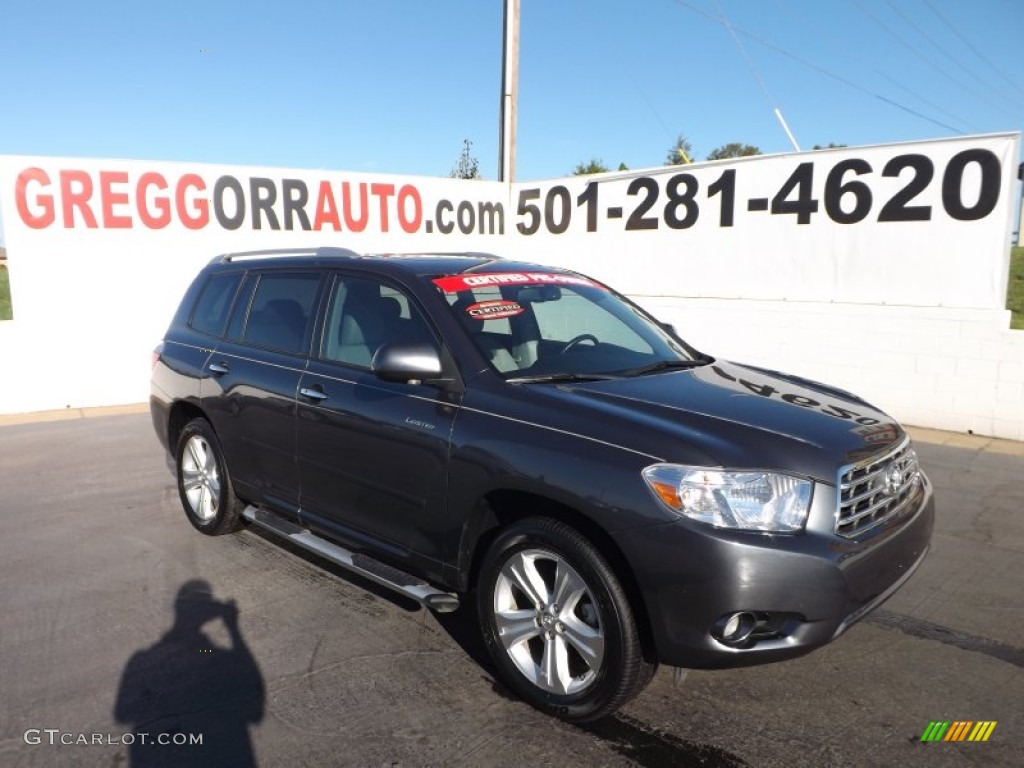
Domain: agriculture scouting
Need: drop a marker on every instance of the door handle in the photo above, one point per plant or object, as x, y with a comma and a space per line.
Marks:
313, 394
219, 368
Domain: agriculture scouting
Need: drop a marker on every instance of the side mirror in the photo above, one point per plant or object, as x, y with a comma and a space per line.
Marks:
670, 328
411, 363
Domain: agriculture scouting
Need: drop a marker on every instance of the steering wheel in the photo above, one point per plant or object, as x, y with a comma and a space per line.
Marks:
577, 340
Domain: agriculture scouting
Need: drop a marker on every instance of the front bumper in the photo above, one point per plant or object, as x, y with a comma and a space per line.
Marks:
805, 589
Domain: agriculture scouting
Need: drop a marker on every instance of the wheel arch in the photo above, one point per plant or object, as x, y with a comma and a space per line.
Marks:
500, 508
180, 414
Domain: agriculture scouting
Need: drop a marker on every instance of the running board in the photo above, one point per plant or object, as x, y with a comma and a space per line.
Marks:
367, 567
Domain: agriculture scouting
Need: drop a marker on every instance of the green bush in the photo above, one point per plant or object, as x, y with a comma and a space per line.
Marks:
5, 295
1015, 288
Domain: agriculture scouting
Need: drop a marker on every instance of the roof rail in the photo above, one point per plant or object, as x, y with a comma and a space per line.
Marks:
327, 251
428, 254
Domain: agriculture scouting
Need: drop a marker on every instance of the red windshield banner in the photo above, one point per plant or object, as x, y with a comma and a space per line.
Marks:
456, 283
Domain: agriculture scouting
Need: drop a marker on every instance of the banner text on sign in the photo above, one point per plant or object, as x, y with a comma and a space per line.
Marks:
874, 249
923, 224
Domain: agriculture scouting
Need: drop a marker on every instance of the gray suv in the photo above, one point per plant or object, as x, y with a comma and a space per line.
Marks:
464, 429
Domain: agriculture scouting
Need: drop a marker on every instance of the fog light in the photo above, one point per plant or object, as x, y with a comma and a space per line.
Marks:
734, 628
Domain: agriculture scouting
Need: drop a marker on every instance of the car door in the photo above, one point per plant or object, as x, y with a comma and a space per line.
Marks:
252, 380
372, 454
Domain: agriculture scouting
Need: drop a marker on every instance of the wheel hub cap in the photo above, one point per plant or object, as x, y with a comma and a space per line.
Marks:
200, 478
548, 621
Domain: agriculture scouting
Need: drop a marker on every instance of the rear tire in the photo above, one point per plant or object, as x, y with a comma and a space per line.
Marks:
204, 485
557, 622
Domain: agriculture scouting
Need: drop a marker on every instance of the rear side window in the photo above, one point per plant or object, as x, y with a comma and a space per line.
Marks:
211, 310
281, 311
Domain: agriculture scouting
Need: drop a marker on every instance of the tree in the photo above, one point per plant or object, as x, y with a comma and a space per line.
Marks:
594, 166
623, 167
734, 149
468, 167
681, 153
830, 146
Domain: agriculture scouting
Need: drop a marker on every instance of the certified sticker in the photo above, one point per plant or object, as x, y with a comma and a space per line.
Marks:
492, 310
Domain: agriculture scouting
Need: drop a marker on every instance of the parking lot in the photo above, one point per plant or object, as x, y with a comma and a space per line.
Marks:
119, 619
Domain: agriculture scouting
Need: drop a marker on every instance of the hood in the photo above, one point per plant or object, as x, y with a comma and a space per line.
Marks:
741, 417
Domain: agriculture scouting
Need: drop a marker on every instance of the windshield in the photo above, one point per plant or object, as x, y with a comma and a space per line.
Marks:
537, 326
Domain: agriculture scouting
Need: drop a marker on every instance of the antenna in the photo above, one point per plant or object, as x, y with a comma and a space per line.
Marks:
789, 133
757, 74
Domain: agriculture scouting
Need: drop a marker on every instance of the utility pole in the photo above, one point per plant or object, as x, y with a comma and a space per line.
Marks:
509, 93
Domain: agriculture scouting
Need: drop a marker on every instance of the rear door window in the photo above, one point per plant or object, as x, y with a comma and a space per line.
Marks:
282, 310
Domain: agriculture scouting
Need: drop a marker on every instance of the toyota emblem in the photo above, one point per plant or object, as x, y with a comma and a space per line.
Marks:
893, 479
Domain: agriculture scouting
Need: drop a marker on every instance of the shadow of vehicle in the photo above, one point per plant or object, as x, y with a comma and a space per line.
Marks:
188, 700
644, 744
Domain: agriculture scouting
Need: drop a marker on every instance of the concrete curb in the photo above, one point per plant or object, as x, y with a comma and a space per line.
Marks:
967, 442
67, 414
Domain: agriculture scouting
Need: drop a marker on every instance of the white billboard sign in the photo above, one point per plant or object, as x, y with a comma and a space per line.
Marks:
100, 251
923, 224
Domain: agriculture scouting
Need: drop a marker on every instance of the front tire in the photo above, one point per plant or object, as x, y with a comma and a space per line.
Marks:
204, 485
557, 622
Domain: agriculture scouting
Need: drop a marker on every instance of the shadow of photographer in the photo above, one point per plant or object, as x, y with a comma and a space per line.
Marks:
189, 701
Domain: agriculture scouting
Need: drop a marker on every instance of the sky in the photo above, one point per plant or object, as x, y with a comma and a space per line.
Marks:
395, 86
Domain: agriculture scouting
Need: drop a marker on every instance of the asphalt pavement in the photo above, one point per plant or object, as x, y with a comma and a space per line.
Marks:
119, 620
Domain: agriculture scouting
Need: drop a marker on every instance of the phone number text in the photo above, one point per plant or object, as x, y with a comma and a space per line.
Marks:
846, 199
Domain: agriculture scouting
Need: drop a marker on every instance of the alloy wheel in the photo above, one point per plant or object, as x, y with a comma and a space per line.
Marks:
200, 478
548, 621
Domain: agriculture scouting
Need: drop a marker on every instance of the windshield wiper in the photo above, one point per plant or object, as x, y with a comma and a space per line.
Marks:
543, 377
664, 365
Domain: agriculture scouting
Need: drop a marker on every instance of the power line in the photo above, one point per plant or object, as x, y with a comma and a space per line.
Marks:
624, 67
913, 25
821, 70
757, 75
922, 56
750, 62
825, 31
647, 101
930, 103
976, 52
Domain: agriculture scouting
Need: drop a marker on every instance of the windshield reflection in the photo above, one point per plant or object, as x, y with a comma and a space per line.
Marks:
531, 329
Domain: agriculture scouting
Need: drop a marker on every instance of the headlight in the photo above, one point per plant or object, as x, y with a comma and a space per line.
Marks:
757, 501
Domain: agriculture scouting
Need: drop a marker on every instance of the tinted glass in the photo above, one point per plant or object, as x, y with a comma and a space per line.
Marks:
241, 311
281, 311
211, 310
365, 314
529, 326
574, 315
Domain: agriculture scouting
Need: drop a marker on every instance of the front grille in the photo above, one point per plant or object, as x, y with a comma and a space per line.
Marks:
876, 489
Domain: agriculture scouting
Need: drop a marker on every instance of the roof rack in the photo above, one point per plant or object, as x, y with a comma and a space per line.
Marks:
328, 251
429, 254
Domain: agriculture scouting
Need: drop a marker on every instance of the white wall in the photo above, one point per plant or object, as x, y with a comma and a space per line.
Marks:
908, 314
94, 285
954, 369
